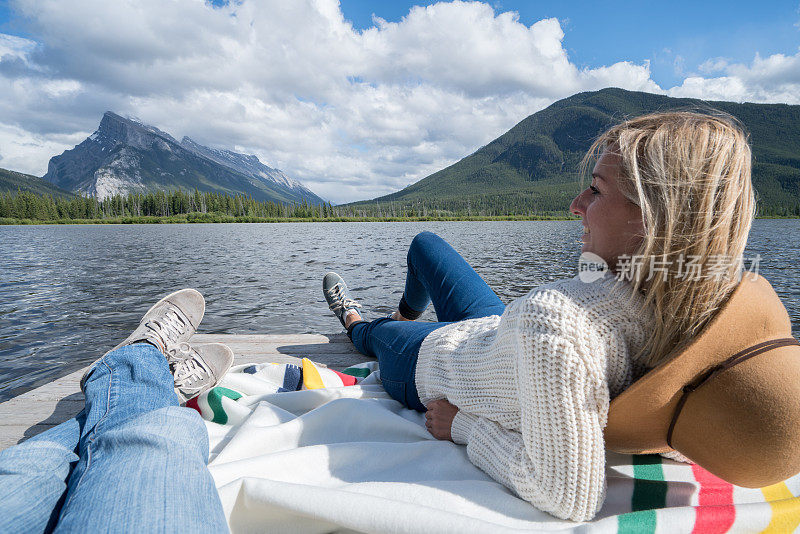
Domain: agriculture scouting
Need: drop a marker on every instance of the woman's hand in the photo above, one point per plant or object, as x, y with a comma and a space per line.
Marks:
439, 419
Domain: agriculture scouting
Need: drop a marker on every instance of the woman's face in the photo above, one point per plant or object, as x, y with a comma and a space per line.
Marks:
612, 225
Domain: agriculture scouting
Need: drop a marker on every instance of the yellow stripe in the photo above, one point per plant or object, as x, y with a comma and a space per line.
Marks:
785, 509
777, 492
311, 378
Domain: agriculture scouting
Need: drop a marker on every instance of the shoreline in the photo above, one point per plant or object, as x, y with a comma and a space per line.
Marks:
228, 220
4, 221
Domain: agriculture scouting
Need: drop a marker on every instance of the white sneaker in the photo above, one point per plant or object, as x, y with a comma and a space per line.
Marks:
169, 322
202, 370
168, 325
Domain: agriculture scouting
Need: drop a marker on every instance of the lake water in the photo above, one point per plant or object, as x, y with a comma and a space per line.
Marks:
69, 293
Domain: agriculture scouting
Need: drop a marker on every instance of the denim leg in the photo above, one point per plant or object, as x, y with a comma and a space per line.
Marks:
396, 346
436, 272
33, 478
142, 463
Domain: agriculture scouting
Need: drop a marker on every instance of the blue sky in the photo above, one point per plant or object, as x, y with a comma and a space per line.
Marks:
354, 109
676, 35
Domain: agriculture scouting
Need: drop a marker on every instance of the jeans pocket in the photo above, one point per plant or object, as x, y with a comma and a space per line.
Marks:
396, 390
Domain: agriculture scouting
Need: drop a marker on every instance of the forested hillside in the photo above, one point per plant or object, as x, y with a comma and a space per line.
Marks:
533, 167
12, 181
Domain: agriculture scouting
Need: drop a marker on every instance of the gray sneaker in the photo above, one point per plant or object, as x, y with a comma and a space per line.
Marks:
170, 322
338, 296
202, 371
168, 325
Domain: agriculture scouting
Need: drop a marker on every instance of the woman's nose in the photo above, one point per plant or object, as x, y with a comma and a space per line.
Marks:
577, 205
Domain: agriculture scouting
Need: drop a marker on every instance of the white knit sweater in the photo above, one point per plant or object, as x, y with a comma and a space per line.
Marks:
533, 388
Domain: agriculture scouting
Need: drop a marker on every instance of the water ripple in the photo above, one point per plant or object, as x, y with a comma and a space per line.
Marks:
69, 293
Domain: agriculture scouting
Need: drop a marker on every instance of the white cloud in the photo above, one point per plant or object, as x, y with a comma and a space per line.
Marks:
12, 46
715, 64
772, 79
353, 114
18, 148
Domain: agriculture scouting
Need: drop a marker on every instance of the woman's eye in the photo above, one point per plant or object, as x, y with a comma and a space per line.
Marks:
594, 190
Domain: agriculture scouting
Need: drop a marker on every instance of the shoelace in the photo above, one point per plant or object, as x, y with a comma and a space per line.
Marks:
340, 303
164, 331
180, 352
190, 371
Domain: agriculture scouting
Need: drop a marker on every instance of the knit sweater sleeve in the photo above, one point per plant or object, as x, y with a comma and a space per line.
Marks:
557, 461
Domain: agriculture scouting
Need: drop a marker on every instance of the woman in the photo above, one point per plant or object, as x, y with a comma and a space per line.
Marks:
526, 387
133, 460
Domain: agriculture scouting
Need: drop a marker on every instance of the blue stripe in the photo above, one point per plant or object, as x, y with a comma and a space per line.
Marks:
292, 378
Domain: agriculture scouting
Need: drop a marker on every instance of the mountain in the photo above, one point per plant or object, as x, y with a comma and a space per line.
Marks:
536, 162
125, 156
17, 181
250, 165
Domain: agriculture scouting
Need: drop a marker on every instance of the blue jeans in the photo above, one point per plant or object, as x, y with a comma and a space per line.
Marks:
132, 461
438, 274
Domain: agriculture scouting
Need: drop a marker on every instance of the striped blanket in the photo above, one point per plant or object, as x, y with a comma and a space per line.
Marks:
308, 449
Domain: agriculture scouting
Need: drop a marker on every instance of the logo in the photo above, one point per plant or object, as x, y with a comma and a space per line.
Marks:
591, 267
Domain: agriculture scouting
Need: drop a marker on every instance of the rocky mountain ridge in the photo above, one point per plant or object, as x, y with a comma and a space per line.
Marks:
127, 156
244, 163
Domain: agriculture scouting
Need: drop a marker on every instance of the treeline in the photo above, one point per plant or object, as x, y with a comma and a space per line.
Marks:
779, 211
212, 207
27, 205
183, 206
519, 204
195, 206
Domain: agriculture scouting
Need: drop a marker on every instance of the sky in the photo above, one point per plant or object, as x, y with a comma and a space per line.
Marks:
361, 98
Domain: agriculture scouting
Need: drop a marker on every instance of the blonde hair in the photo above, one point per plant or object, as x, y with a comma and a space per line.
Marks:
690, 175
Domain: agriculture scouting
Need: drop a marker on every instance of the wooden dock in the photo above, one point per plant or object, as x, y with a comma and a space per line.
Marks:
44, 407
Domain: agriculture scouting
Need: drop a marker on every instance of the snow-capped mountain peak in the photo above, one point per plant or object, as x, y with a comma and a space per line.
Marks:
248, 164
124, 155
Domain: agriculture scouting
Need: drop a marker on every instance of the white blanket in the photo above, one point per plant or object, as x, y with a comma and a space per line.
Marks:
352, 459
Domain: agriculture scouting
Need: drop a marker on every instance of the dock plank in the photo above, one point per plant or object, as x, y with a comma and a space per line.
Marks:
20, 433
42, 408
43, 413
305, 339
289, 350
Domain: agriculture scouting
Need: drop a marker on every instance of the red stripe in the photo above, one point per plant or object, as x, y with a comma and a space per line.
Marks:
715, 512
193, 404
347, 380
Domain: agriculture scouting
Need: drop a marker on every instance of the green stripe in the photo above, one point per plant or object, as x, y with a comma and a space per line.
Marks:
359, 372
636, 522
215, 402
649, 494
649, 487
